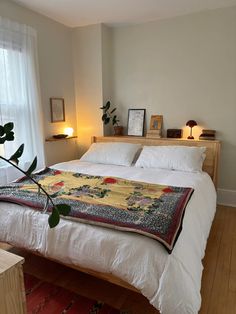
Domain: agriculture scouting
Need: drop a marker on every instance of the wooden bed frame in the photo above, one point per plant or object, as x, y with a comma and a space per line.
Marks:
210, 166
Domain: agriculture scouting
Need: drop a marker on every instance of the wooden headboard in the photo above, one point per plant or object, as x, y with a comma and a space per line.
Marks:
212, 148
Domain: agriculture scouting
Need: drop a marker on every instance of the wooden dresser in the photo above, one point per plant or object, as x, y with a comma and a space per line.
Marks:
12, 292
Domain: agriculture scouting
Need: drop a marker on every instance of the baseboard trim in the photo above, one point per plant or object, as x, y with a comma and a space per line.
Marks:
226, 197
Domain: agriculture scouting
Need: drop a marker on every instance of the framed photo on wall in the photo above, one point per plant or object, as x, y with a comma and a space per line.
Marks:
155, 126
136, 118
57, 109
156, 122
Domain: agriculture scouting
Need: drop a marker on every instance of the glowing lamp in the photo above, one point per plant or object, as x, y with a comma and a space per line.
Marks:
69, 131
191, 124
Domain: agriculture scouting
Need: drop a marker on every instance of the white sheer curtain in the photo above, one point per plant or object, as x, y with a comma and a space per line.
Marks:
20, 95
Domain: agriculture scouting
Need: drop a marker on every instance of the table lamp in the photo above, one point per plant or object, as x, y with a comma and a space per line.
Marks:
69, 131
191, 124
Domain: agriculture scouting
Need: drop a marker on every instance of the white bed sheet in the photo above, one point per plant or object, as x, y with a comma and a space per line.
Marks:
170, 282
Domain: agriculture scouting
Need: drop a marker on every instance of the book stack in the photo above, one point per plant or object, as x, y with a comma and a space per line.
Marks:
154, 134
207, 135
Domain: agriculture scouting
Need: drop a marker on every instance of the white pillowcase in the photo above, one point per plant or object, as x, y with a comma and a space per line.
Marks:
183, 158
121, 154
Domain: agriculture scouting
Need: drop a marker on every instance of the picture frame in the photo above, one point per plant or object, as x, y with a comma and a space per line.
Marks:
136, 118
156, 122
57, 109
155, 129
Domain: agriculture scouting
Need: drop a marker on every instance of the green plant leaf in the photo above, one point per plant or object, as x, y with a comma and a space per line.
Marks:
54, 218
32, 167
114, 120
9, 136
63, 209
2, 132
17, 154
104, 117
54, 195
2, 140
103, 107
113, 110
8, 127
107, 120
107, 106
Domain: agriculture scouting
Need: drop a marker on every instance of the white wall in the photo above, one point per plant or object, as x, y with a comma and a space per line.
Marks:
56, 73
107, 74
183, 68
87, 55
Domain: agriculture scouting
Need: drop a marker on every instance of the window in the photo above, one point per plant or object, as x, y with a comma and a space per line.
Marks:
19, 92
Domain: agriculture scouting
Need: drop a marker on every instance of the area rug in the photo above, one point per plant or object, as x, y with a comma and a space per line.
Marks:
46, 298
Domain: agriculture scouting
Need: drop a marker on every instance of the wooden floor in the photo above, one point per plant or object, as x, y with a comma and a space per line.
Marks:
218, 282
219, 275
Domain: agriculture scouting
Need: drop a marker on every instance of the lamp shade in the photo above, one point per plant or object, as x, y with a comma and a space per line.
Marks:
191, 123
69, 131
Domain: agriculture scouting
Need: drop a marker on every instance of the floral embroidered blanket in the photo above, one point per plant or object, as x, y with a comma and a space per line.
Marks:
153, 210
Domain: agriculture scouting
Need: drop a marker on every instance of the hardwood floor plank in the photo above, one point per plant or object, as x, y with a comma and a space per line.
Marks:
220, 288
210, 260
230, 303
232, 279
231, 298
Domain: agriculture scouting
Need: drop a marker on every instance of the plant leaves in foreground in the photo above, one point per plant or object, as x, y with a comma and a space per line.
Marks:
54, 218
9, 136
1, 130
17, 154
32, 167
63, 209
8, 127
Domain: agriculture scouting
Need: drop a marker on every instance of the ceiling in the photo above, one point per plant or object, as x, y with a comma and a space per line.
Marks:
115, 12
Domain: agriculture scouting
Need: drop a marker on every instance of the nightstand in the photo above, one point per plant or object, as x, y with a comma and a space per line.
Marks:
12, 291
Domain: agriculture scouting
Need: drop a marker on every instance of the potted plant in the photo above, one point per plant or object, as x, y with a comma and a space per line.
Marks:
109, 115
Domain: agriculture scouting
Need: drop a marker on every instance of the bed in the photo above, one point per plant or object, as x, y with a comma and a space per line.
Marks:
171, 282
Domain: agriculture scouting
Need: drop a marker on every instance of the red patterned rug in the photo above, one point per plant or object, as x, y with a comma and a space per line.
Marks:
46, 298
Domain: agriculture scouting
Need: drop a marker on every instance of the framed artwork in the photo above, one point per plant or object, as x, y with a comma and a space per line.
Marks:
156, 122
57, 109
136, 119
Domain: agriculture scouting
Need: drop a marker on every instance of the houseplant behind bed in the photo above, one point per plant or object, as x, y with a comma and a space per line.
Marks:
109, 115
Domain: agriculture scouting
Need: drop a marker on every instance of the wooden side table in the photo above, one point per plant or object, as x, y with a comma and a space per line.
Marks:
12, 291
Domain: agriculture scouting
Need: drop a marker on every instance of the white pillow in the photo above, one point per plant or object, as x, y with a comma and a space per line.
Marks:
121, 154
182, 158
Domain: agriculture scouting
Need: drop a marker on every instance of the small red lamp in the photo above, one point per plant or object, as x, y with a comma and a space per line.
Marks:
191, 124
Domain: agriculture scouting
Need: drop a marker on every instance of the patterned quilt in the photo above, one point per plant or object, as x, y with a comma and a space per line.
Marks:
153, 210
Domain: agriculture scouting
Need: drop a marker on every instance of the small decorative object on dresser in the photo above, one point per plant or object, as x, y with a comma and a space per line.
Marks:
191, 124
109, 115
60, 136
136, 119
174, 133
57, 109
155, 126
207, 135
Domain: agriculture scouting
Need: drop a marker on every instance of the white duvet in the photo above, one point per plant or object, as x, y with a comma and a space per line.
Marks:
170, 282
